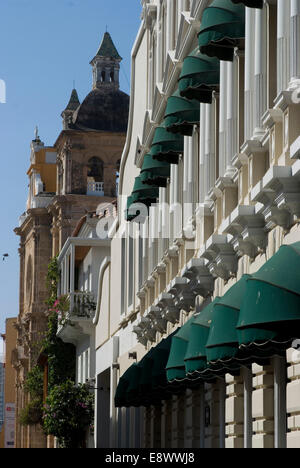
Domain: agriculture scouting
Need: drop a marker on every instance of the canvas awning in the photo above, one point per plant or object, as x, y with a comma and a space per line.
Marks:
155, 172
196, 353
250, 3
166, 146
176, 365
200, 76
222, 344
271, 309
181, 114
222, 29
143, 193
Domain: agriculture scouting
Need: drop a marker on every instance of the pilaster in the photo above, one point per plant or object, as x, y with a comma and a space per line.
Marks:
166, 424
263, 406
155, 416
194, 418
293, 401
234, 411
178, 409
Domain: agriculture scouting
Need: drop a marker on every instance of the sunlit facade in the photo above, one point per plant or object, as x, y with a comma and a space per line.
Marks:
194, 332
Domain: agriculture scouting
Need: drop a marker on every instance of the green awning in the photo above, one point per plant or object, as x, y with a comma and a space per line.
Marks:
134, 209
132, 391
222, 28
153, 378
250, 3
143, 193
160, 360
122, 388
222, 344
155, 172
271, 308
200, 76
196, 353
176, 365
181, 114
144, 383
166, 146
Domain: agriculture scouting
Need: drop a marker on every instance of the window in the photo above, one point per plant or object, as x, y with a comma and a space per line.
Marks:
95, 169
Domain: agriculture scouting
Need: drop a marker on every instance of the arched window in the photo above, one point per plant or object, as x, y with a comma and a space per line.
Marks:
112, 76
103, 76
95, 169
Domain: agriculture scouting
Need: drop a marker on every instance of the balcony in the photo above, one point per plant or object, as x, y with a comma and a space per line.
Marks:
77, 321
95, 189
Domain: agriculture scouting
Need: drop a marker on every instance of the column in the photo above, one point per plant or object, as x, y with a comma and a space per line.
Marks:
166, 424
177, 209
283, 58
145, 249
181, 8
202, 161
170, 25
165, 214
293, 400
210, 150
247, 375
263, 406
215, 414
178, 408
234, 411
249, 75
137, 428
223, 120
72, 269
231, 114
113, 387
295, 44
280, 401
260, 70
172, 202
194, 418
147, 428
155, 426
188, 181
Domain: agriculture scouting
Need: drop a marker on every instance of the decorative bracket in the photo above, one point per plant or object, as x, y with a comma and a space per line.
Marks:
184, 299
158, 323
169, 311
248, 230
201, 282
221, 256
279, 193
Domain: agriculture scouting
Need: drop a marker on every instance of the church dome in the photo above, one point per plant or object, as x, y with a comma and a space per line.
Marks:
103, 109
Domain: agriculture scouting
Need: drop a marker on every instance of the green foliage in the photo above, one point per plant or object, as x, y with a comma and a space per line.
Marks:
34, 383
52, 281
32, 414
61, 356
68, 413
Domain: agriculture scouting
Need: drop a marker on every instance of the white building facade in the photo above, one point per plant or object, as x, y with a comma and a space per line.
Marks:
198, 304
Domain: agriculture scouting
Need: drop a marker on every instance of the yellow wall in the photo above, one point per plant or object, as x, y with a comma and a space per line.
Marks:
47, 171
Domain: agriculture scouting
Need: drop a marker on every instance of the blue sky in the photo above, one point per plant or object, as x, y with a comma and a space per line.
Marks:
45, 46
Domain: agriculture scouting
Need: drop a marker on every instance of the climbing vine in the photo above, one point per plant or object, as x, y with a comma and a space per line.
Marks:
68, 412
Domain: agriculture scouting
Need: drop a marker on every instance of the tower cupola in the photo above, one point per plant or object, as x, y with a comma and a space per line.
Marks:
106, 65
